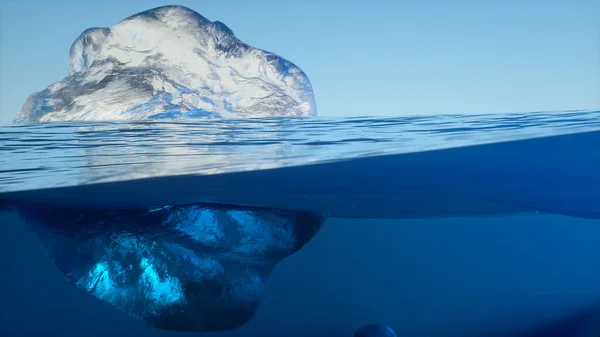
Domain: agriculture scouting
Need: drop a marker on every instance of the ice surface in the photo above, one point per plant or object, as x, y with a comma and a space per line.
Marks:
170, 63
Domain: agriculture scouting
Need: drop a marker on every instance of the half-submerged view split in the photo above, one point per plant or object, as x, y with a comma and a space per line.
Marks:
175, 166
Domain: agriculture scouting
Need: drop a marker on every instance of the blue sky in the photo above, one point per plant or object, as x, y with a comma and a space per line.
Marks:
377, 57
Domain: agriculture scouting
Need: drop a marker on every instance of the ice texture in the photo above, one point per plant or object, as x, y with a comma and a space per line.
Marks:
183, 268
196, 267
170, 63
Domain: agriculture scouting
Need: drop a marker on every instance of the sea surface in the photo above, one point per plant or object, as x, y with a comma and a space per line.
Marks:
449, 225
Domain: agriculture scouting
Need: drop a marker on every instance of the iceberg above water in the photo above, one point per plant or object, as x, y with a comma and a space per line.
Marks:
168, 63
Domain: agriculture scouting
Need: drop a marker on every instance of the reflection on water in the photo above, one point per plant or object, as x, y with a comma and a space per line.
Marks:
66, 154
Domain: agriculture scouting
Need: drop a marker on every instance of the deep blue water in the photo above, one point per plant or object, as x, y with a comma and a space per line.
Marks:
437, 226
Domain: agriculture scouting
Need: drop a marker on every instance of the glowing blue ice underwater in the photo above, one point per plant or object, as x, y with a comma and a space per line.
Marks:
190, 268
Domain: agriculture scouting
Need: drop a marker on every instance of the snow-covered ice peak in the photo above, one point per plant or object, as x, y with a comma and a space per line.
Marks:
170, 62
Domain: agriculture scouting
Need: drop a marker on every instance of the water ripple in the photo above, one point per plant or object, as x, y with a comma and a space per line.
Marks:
62, 154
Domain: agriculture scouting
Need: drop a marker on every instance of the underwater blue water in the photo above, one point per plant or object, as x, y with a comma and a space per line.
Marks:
435, 225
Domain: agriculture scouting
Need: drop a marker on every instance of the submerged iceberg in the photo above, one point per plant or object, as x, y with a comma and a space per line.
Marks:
170, 62
184, 268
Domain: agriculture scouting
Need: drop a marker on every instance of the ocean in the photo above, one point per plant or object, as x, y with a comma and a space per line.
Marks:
449, 225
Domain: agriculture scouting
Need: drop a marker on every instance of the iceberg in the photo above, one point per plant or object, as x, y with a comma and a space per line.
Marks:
198, 267
183, 268
169, 63
242, 196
